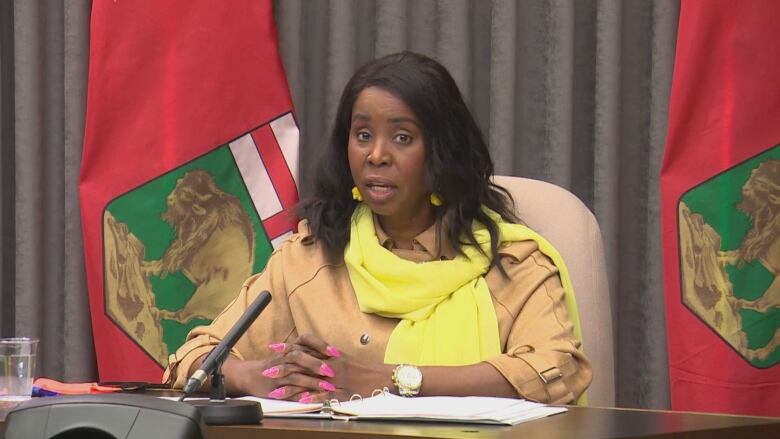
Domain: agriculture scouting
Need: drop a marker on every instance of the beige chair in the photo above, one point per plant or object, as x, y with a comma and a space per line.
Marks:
560, 217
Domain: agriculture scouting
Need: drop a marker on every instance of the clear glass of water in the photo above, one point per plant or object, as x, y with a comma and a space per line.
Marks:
17, 368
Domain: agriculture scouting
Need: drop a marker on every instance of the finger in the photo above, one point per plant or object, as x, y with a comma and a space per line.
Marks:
288, 392
282, 370
278, 347
281, 348
307, 382
305, 398
317, 344
306, 349
308, 362
312, 397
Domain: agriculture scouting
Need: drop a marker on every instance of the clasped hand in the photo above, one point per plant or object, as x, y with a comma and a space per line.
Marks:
308, 370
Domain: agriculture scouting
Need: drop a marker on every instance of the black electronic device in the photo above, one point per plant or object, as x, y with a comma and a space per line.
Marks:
103, 416
217, 410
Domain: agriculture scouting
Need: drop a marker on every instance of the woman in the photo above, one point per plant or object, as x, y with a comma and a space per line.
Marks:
407, 271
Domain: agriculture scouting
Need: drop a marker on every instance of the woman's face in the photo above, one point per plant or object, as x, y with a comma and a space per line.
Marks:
387, 158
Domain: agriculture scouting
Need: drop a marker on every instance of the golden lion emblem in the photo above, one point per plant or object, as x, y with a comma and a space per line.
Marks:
707, 288
214, 248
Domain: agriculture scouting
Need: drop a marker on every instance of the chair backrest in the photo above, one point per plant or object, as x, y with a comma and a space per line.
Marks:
561, 218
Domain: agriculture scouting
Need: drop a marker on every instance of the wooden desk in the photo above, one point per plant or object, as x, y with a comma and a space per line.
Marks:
578, 422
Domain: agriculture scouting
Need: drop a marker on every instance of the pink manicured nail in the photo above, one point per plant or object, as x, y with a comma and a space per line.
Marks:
333, 352
277, 393
326, 370
278, 347
306, 398
271, 372
324, 385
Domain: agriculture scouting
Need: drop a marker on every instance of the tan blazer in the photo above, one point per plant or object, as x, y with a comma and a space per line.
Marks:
540, 355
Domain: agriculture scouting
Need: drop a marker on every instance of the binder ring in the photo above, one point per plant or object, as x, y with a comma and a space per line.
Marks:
383, 391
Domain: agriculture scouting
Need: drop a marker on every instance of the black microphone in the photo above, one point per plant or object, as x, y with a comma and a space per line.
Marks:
218, 354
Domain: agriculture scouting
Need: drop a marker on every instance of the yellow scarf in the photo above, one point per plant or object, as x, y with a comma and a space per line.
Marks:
446, 310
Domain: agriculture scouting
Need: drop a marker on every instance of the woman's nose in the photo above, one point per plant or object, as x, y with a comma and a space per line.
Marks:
378, 154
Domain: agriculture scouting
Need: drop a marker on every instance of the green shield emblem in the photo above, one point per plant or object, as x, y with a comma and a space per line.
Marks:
730, 256
177, 250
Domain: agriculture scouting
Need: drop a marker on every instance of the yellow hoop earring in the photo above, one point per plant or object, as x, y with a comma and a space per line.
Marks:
436, 199
356, 195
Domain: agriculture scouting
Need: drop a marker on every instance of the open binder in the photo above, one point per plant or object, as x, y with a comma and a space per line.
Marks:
387, 406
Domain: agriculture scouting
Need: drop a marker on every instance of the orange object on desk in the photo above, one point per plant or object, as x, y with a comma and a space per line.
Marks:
73, 388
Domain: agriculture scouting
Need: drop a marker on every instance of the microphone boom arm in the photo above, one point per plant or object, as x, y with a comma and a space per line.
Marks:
213, 361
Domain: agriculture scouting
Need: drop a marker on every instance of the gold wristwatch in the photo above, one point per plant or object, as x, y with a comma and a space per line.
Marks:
408, 379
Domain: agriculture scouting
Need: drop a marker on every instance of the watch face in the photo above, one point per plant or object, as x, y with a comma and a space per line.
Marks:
410, 376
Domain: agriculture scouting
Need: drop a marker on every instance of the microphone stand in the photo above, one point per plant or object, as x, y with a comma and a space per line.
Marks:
220, 411
217, 385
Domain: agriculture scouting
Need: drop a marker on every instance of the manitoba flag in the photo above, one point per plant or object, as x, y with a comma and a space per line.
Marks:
720, 184
188, 172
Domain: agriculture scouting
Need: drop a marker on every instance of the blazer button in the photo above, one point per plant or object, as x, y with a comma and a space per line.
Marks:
364, 339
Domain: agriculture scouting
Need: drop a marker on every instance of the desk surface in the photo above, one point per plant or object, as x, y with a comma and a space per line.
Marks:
578, 422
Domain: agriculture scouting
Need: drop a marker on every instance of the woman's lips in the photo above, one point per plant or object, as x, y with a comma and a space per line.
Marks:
379, 192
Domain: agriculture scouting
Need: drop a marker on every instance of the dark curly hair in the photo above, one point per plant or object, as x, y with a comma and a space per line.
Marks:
457, 160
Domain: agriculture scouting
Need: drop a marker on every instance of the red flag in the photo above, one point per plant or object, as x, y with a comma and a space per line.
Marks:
720, 184
188, 172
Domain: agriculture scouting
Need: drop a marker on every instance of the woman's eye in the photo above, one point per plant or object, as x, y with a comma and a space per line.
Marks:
403, 139
363, 136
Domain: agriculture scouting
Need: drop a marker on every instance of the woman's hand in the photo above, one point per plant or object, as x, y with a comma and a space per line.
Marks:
290, 373
297, 372
309, 370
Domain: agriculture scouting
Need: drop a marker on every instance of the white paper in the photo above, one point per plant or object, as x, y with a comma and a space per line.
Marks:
469, 409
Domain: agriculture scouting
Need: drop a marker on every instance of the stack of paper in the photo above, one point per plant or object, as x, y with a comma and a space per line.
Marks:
471, 409
277, 407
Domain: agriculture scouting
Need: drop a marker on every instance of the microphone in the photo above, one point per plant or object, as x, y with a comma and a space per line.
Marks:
218, 354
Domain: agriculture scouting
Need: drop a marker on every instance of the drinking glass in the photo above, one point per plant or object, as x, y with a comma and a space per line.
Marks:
17, 368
